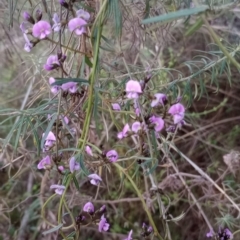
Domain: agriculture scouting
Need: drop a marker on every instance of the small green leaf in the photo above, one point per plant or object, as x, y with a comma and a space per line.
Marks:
52, 229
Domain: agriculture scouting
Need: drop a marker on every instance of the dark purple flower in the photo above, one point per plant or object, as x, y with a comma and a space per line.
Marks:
112, 155
41, 29
89, 208
52, 63
38, 15
77, 25
103, 225
28, 17
64, 3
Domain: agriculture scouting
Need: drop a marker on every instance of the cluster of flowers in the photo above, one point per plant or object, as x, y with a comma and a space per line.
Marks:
223, 234
45, 163
133, 91
41, 28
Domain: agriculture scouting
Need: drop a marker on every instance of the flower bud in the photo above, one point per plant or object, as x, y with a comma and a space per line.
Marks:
64, 3
38, 15
28, 17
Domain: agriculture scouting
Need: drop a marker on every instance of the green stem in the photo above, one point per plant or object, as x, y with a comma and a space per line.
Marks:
142, 200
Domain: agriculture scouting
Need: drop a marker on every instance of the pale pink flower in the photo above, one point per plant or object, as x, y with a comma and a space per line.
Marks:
70, 86
23, 27
50, 139
129, 236
28, 45
124, 132
52, 63
73, 165
177, 111
133, 89
160, 98
89, 208
136, 126
57, 24
77, 25
112, 155
44, 163
88, 151
83, 14
59, 189
65, 120
116, 106
95, 179
55, 88
103, 225
41, 29
158, 123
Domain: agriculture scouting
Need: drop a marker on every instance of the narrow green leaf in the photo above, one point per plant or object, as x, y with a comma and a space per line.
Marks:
53, 229
175, 15
76, 182
61, 81
198, 24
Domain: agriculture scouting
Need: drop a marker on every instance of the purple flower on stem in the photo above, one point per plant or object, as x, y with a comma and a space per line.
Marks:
50, 139
57, 24
103, 225
83, 14
136, 126
77, 25
28, 45
70, 86
59, 189
124, 132
44, 163
177, 111
41, 29
88, 151
133, 89
129, 236
112, 155
89, 208
52, 63
73, 165
158, 123
95, 179
61, 168
116, 107
54, 89
28, 17
160, 98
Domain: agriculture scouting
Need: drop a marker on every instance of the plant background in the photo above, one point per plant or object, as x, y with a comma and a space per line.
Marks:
185, 60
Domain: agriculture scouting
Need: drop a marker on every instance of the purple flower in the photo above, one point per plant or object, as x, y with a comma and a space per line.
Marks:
89, 208
83, 14
133, 89
28, 17
44, 163
28, 45
209, 234
65, 120
23, 27
129, 236
77, 25
59, 189
124, 132
61, 168
136, 126
88, 150
50, 139
228, 233
158, 123
52, 63
103, 225
177, 111
112, 155
160, 98
57, 24
64, 3
73, 165
116, 106
54, 89
38, 15
95, 179
102, 208
70, 86
41, 29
